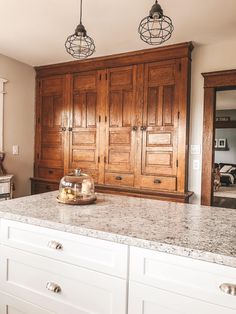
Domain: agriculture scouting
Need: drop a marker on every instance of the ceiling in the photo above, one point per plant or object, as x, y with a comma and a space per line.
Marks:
34, 31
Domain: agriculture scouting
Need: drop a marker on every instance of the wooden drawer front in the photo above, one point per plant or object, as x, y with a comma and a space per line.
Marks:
83, 291
187, 276
43, 187
119, 179
148, 300
50, 173
13, 305
158, 183
95, 254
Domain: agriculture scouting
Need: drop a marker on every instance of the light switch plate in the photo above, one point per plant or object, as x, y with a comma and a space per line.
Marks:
195, 150
15, 149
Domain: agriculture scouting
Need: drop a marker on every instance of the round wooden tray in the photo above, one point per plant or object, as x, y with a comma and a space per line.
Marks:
78, 201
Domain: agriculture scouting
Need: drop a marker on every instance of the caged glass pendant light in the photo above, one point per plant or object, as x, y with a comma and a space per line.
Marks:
79, 45
156, 28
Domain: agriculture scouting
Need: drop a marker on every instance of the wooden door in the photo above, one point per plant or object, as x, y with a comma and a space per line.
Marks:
121, 122
50, 128
84, 121
160, 126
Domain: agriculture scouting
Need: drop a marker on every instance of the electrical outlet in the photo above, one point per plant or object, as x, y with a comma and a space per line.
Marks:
196, 164
15, 149
195, 150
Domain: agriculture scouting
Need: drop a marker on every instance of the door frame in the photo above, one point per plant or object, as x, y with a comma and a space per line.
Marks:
213, 82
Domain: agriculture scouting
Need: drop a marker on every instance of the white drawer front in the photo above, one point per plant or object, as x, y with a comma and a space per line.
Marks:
148, 300
95, 254
82, 291
183, 275
13, 305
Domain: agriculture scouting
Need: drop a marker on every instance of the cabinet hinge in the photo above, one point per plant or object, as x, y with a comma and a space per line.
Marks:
178, 115
98, 159
105, 118
180, 67
99, 119
177, 163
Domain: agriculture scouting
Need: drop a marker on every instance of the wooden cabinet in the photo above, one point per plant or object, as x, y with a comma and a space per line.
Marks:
122, 119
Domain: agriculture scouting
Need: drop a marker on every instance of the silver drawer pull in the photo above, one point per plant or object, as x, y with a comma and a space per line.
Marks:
228, 288
55, 245
53, 287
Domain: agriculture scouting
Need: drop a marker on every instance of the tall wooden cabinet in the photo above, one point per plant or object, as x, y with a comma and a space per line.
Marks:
123, 119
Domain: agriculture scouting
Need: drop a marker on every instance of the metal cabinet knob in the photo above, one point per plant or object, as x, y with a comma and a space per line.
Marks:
70, 129
53, 287
55, 245
134, 128
63, 129
143, 128
157, 181
228, 288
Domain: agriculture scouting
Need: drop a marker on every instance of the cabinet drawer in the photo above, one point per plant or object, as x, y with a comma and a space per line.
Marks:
149, 300
95, 254
50, 173
123, 179
60, 287
43, 187
187, 276
158, 183
13, 305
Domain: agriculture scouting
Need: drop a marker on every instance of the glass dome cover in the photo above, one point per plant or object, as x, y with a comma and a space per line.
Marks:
76, 188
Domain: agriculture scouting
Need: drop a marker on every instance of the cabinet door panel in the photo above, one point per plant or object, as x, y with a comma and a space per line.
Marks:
120, 140
83, 151
50, 120
160, 120
148, 300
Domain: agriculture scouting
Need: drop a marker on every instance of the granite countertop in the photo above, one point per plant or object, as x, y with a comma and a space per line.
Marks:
200, 232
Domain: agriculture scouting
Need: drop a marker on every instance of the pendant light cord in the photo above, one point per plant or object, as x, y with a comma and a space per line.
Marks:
81, 7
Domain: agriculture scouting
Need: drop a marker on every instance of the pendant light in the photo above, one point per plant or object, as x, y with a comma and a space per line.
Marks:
79, 45
156, 28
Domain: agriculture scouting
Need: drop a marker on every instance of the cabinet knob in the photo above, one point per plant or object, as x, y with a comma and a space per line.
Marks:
228, 288
118, 178
53, 287
70, 129
55, 245
157, 181
63, 129
134, 128
143, 128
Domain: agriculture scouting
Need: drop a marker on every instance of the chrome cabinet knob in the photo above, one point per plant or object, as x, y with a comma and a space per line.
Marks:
55, 245
53, 287
228, 288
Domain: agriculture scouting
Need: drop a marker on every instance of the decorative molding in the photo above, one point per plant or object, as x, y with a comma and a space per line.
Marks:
2, 92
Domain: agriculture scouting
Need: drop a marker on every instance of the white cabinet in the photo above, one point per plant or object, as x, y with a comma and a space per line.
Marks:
166, 283
13, 305
149, 300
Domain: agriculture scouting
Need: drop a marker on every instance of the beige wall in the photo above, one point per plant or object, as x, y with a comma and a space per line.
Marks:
18, 121
206, 58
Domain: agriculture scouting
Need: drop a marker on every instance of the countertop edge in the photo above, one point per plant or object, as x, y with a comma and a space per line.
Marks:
127, 240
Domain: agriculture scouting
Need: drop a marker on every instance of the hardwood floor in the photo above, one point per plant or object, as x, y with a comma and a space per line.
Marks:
224, 202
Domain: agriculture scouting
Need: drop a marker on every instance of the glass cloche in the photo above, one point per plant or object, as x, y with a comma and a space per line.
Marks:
76, 188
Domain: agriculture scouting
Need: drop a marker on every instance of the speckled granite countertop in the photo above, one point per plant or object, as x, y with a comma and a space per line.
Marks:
200, 232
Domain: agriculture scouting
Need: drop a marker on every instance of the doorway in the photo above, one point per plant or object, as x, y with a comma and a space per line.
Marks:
214, 84
224, 180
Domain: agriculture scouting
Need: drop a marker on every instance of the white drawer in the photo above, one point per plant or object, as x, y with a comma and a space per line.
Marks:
187, 276
13, 305
83, 291
95, 254
148, 300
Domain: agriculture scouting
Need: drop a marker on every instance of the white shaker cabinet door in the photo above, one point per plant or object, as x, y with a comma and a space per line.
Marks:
148, 300
13, 305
